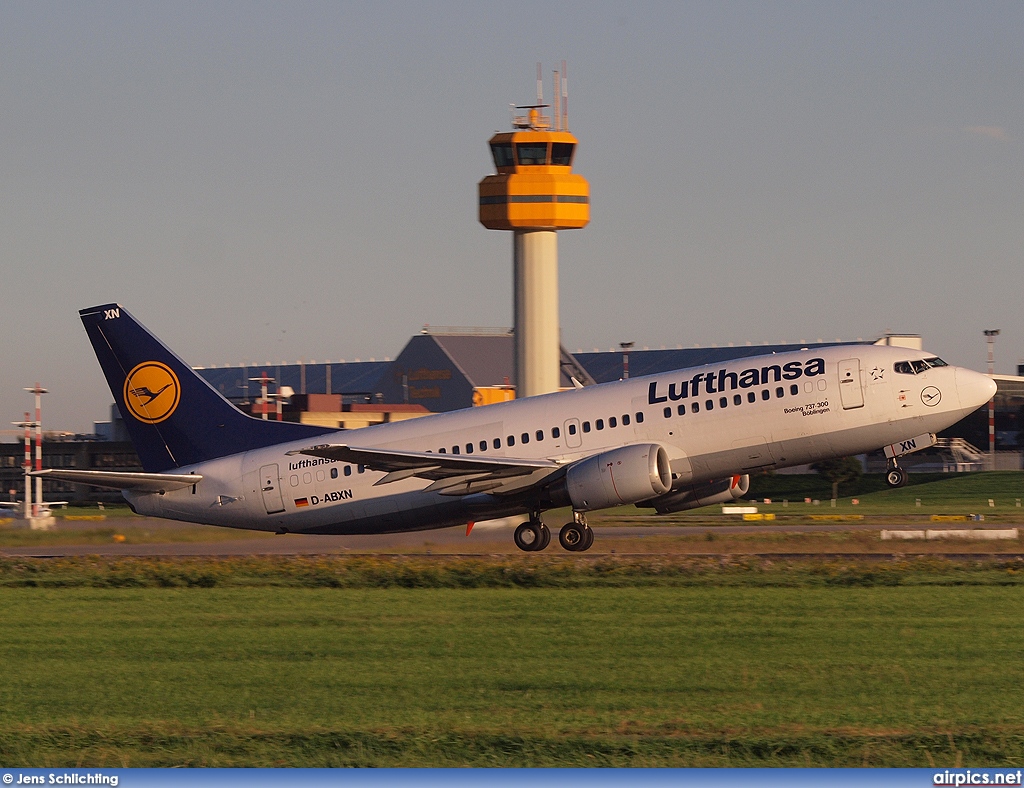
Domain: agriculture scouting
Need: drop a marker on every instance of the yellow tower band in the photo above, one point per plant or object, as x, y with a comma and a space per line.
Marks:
534, 187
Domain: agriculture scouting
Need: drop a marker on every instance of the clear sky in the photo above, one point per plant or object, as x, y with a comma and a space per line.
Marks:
282, 181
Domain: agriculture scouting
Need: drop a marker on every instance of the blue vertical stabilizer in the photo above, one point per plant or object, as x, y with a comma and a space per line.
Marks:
174, 417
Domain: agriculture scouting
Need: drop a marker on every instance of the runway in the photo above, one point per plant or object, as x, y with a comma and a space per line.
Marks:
152, 537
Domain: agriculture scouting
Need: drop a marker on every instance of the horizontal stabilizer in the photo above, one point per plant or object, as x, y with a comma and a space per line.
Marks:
142, 482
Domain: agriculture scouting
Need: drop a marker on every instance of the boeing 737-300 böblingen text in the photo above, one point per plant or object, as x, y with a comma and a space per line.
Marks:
669, 441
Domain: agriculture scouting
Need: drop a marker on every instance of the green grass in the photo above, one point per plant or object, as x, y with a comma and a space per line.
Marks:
705, 674
938, 492
17, 535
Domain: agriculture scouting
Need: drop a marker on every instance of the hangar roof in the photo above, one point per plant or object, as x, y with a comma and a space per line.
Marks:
606, 366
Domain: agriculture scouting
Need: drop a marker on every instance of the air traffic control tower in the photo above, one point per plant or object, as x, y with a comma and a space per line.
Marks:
534, 194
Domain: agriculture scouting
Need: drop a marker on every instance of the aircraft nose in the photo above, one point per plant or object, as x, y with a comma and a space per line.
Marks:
974, 389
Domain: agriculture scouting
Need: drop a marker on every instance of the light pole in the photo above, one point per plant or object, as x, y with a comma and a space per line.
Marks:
625, 358
38, 391
990, 338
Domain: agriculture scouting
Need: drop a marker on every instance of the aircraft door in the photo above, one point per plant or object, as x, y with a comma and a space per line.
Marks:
851, 392
573, 436
270, 484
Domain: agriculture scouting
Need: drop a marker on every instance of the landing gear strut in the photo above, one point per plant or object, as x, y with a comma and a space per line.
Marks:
895, 476
576, 536
532, 536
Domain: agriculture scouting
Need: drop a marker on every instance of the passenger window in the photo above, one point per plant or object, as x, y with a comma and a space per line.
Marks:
723, 402
442, 451
572, 429
334, 473
600, 423
668, 413
681, 409
455, 449
556, 433
362, 469
348, 470
751, 396
766, 394
295, 480
779, 392
612, 423
625, 419
639, 417
525, 437
469, 448
483, 445
511, 440
794, 389
695, 407
586, 426
737, 399
709, 405
497, 443
539, 435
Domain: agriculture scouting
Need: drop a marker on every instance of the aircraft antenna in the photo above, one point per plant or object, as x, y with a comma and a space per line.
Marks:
565, 97
555, 101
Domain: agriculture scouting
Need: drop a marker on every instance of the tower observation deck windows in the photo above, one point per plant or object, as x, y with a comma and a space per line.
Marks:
502, 153
561, 153
532, 153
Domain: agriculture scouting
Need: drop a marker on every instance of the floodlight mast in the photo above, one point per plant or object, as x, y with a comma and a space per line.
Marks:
990, 338
38, 391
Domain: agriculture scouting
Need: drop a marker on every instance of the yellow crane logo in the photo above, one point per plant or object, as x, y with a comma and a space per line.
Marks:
151, 392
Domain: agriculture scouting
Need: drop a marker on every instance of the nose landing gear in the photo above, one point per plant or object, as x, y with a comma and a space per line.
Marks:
895, 476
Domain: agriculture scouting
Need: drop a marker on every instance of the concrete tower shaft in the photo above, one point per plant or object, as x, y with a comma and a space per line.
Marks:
537, 342
534, 194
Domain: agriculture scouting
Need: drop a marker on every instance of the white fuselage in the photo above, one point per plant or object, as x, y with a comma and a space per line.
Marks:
729, 418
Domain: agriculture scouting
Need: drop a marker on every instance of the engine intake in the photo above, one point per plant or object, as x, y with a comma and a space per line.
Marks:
695, 496
619, 476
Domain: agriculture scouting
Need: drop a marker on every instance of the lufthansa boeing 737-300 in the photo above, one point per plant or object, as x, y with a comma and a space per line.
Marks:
669, 442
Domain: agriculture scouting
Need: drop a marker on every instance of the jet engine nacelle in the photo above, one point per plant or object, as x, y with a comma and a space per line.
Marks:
620, 476
694, 496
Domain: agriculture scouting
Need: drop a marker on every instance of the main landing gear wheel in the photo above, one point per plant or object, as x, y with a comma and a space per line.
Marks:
532, 536
896, 477
576, 537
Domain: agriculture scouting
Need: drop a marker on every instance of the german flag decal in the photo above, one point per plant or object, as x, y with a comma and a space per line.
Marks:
300, 502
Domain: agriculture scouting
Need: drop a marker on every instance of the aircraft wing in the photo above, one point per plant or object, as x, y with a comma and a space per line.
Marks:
451, 474
143, 482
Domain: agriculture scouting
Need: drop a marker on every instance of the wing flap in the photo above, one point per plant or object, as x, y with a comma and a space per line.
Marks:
115, 480
450, 474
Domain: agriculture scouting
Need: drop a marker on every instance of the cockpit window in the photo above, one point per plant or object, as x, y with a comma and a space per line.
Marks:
918, 366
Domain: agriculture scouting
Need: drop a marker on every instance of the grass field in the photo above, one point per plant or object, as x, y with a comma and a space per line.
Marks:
781, 665
925, 494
